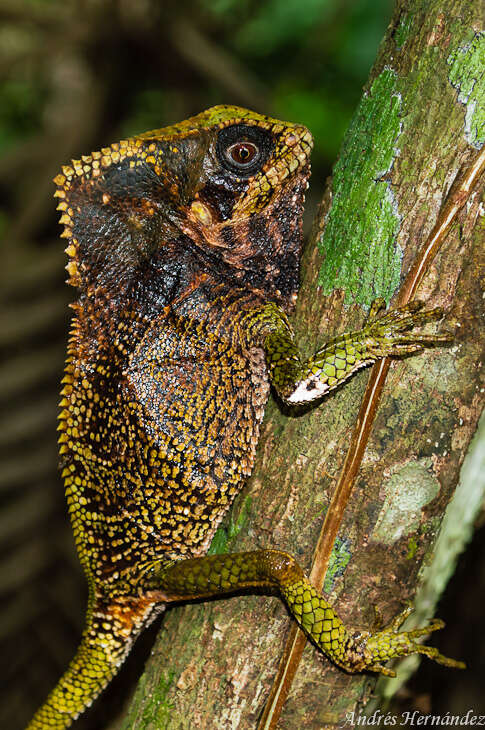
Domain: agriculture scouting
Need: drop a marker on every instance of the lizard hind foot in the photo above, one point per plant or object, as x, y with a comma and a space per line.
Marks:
391, 643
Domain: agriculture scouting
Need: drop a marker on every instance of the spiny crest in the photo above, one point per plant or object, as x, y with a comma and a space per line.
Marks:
92, 166
216, 117
292, 148
88, 168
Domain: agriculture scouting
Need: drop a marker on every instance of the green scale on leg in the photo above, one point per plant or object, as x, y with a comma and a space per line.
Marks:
214, 575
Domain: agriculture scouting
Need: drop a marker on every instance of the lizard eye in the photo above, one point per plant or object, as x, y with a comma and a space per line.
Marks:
242, 154
243, 149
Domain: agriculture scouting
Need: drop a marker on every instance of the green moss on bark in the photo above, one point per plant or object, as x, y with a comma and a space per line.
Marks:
359, 240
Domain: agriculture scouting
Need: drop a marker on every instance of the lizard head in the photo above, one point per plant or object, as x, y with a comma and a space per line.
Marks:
224, 189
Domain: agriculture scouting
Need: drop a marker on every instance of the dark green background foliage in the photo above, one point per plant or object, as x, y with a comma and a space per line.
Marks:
76, 76
300, 59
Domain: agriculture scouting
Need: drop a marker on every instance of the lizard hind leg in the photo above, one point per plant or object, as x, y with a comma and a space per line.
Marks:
112, 625
228, 573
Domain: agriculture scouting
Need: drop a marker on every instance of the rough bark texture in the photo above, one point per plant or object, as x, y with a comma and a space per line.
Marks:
420, 119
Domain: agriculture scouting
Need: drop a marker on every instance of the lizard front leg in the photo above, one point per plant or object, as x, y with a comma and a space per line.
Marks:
221, 574
386, 334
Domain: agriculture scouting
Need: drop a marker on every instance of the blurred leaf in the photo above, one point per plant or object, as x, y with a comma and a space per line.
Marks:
223, 8
277, 23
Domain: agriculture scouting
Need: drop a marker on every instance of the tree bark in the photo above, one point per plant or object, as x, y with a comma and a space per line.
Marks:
421, 117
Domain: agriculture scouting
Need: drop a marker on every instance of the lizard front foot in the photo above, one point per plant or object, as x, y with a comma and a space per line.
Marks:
389, 333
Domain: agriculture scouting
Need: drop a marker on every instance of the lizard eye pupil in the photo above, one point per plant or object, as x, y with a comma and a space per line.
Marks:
242, 153
242, 149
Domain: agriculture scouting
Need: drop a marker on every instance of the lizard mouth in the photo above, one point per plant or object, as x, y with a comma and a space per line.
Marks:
232, 234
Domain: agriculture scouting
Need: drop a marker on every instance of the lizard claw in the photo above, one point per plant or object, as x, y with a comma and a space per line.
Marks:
391, 642
387, 334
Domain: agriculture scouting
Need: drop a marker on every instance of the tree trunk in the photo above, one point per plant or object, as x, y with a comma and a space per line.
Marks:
422, 117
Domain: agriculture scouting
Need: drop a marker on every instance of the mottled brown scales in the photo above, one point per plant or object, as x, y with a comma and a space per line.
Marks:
184, 245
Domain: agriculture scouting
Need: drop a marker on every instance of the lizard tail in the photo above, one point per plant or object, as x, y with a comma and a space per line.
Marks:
111, 628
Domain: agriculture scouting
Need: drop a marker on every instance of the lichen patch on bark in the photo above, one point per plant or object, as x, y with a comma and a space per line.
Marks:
407, 491
467, 75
